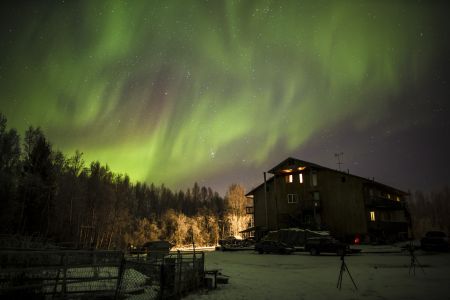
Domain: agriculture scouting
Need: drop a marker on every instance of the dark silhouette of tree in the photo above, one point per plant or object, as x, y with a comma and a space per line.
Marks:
430, 211
69, 206
36, 184
9, 172
48, 194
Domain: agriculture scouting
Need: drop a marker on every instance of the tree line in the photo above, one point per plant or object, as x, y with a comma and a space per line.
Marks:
430, 211
47, 194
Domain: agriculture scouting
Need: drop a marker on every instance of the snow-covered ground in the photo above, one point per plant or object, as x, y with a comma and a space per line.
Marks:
301, 276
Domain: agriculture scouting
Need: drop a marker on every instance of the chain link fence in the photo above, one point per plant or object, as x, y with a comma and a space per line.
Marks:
81, 274
162, 277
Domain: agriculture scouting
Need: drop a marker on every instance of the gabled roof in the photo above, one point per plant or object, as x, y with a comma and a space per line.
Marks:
293, 163
259, 186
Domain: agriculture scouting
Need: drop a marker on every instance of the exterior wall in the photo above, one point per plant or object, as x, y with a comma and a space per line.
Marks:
260, 207
295, 214
339, 202
343, 203
340, 206
389, 208
259, 210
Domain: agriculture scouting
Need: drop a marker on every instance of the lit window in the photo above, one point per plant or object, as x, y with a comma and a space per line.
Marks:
398, 198
389, 196
372, 216
292, 198
290, 178
300, 177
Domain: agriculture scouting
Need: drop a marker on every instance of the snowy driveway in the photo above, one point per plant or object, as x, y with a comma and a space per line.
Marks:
301, 276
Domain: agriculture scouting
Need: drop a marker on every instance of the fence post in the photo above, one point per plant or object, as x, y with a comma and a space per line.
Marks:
202, 270
162, 281
180, 268
120, 273
64, 285
94, 263
194, 269
60, 269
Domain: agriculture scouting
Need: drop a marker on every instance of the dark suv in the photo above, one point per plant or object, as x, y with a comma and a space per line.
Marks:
434, 241
317, 245
273, 247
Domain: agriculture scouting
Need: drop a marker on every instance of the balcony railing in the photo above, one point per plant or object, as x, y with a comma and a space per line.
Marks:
398, 226
383, 203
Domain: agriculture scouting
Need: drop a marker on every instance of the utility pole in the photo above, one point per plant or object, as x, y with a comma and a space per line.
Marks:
265, 201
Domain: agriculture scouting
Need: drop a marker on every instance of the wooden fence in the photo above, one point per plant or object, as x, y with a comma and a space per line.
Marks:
59, 273
98, 274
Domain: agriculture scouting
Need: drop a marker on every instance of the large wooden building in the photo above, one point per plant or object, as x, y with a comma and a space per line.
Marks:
306, 195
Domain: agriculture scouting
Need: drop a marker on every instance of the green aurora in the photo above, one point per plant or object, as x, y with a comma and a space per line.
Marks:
168, 91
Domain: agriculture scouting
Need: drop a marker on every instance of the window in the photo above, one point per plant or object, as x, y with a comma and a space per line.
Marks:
292, 198
316, 196
372, 216
314, 178
289, 178
397, 198
300, 177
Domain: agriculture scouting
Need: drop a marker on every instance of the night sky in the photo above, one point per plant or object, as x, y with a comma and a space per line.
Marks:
219, 91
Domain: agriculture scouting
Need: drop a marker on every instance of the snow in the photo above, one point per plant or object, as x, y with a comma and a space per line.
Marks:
301, 276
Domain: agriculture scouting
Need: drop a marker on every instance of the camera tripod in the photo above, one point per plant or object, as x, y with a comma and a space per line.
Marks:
414, 261
342, 270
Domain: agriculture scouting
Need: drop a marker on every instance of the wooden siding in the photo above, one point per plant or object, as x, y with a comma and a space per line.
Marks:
343, 206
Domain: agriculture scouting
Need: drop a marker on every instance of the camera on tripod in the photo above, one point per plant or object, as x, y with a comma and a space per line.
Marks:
343, 269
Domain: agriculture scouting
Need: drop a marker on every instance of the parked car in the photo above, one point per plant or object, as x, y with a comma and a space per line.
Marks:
435, 241
230, 240
317, 245
269, 246
156, 249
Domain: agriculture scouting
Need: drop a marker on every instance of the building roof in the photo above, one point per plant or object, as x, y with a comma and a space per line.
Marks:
259, 186
293, 163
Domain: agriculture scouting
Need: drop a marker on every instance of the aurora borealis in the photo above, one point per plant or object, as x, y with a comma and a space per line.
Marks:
218, 91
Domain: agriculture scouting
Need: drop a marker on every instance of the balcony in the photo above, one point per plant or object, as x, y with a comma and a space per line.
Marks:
398, 226
385, 203
249, 210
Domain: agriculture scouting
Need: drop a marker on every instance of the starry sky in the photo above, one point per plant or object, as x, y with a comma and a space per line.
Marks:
219, 91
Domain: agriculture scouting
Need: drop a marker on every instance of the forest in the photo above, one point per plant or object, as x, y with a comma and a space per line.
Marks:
430, 211
46, 194
62, 199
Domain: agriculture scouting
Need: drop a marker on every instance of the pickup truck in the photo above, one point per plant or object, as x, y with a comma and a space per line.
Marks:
317, 245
